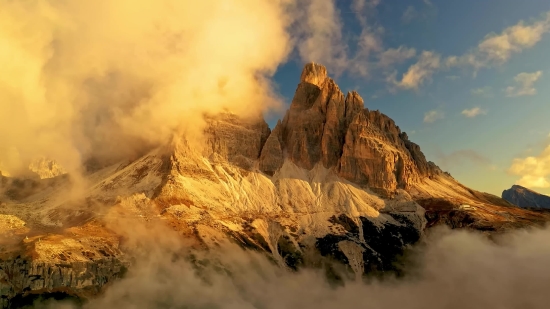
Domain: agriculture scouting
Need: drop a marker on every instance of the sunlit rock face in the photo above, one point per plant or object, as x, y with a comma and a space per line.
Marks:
523, 197
332, 185
364, 147
46, 168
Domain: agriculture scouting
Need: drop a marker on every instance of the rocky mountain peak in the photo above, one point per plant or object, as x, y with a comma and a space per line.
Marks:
313, 73
236, 139
323, 126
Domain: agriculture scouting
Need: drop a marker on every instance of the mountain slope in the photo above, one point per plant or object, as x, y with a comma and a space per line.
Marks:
526, 198
332, 181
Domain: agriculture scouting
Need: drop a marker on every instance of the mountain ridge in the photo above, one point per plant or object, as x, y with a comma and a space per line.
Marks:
332, 182
526, 198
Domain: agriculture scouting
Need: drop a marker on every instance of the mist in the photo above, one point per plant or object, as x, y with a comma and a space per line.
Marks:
448, 269
107, 79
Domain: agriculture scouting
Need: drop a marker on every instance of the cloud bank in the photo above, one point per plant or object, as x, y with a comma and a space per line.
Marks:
98, 78
453, 270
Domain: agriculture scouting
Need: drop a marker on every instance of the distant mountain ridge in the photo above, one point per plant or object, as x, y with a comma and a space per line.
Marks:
526, 198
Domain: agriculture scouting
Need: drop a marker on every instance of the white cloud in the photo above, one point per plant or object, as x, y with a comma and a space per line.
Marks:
473, 112
486, 91
419, 72
395, 56
432, 116
514, 39
74, 88
320, 39
525, 84
319, 31
534, 170
494, 49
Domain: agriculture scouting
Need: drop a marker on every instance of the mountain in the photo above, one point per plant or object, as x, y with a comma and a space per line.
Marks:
332, 182
526, 198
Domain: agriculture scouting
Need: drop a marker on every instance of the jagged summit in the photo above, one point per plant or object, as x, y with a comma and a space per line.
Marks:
324, 126
313, 73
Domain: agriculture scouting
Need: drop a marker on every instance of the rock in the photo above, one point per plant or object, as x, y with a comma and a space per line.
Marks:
375, 156
237, 140
315, 74
523, 197
22, 276
46, 168
271, 158
303, 127
365, 147
425, 168
316, 123
79, 263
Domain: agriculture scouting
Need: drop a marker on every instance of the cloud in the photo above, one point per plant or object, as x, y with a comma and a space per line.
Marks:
452, 77
534, 171
494, 49
473, 112
418, 73
432, 116
73, 87
460, 158
452, 269
393, 56
525, 84
499, 47
318, 33
486, 91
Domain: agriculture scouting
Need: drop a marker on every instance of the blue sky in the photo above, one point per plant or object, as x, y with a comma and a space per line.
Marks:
483, 115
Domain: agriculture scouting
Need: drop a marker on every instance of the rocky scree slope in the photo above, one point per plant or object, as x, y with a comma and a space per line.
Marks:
332, 182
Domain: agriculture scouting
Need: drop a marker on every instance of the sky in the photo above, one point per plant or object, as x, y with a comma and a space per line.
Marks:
469, 81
